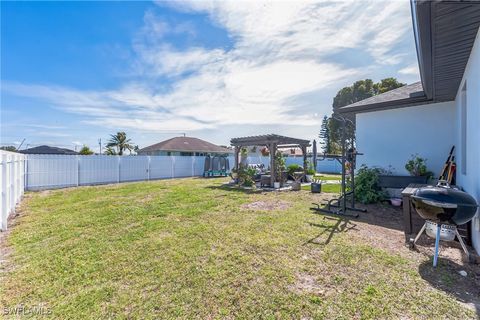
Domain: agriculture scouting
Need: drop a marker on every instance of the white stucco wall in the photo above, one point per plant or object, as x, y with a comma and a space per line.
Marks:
390, 137
471, 180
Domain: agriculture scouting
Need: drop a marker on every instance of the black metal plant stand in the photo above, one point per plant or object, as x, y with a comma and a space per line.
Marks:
340, 206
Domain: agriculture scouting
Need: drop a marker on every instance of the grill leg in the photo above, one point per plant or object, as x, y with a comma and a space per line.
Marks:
420, 233
437, 244
464, 247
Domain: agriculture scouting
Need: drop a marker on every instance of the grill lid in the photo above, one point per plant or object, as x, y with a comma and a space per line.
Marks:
445, 197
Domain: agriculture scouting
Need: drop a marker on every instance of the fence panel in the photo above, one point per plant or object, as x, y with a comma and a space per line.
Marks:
183, 167
329, 166
12, 182
51, 171
161, 167
133, 168
97, 169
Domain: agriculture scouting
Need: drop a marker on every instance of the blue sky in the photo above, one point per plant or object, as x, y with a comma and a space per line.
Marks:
74, 72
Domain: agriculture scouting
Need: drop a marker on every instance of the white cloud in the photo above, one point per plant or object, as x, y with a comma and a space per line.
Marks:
410, 70
281, 50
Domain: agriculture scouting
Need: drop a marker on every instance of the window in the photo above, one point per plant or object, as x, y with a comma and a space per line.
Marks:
463, 128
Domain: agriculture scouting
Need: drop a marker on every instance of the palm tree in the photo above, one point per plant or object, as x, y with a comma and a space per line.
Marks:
120, 142
110, 152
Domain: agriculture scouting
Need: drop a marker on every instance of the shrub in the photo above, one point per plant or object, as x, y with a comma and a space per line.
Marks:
417, 166
366, 185
246, 176
310, 169
293, 168
279, 166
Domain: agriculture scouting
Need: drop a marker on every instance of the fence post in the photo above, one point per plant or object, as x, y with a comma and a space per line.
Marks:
118, 177
148, 167
78, 170
172, 159
9, 185
193, 166
25, 172
4, 213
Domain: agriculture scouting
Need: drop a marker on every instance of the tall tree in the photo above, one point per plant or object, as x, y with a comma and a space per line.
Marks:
120, 142
325, 136
387, 84
86, 151
360, 90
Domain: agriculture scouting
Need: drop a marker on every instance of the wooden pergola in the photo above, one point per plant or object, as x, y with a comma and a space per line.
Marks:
273, 142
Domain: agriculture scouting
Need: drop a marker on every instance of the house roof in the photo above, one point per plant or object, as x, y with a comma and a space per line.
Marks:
445, 31
47, 150
267, 139
186, 144
411, 94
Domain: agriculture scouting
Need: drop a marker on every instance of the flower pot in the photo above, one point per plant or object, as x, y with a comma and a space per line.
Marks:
296, 186
276, 185
316, 187
396, 202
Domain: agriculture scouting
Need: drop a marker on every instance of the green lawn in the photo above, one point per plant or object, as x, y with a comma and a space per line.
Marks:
188, 249
327, 188
321, 176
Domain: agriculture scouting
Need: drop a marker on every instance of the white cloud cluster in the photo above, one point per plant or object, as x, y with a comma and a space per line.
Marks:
281, 50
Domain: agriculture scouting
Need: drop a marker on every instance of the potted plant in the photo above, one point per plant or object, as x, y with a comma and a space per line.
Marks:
310, 172
246, 176
292, 168
279, 162
416, 166
265, 152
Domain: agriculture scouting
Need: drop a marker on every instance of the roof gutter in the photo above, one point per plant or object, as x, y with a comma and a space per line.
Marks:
422, 31
387, 105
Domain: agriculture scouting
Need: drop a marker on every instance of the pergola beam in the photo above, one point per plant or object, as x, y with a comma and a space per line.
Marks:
273, 143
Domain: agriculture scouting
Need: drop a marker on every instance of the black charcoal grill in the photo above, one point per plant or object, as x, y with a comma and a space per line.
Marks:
444, 208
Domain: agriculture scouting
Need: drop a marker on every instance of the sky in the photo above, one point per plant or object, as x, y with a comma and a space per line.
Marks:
75, 72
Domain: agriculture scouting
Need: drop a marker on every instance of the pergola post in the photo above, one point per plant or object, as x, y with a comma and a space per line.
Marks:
304, 152
237, 151
273, 152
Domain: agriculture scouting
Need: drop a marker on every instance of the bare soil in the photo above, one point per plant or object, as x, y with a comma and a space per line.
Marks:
382, 227
268, 205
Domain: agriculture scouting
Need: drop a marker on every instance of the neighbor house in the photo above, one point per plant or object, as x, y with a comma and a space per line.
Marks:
184, 146
47, 150
441, 110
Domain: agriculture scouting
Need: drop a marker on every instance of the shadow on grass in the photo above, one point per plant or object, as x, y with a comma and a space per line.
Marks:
235, 188
342, 224
446, 277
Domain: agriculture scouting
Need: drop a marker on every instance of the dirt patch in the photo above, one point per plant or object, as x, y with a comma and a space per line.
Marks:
382, 227
306, 283
267, 205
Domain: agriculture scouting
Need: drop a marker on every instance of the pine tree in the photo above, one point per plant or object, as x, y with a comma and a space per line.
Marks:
325, 136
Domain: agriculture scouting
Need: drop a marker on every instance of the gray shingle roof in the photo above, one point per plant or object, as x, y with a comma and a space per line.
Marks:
185, 144
400, 97
47, 150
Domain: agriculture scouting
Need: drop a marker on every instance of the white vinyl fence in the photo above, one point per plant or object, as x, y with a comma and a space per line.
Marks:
12, 183
59, 171
37, 172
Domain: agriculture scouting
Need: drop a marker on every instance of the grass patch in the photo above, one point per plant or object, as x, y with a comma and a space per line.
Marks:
189, 249
336, 177
327, 188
